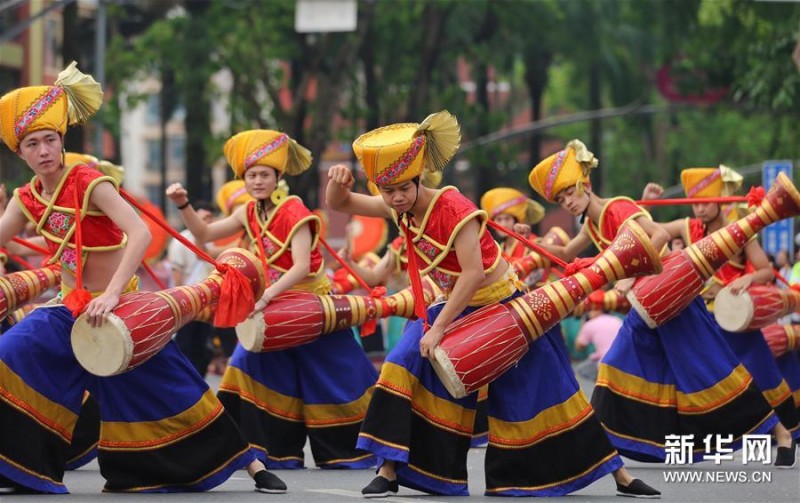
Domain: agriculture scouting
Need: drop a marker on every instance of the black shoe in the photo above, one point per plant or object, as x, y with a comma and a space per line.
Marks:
268, 482
637, 489
786, 456
380, 487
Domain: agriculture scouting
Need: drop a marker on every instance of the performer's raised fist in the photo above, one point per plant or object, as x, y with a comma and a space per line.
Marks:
177, 194
341, 174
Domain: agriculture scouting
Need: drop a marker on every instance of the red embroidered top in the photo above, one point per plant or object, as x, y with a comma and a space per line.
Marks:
435, 236
277, 233
55, 219
616, 212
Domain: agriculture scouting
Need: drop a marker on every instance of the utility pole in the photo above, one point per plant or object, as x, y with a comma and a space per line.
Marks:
100, 70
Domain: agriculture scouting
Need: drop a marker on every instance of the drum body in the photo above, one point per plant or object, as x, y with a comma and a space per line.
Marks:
296, 318
757, 307
487, 346
142, 323
782, 338
659, 298
481, 346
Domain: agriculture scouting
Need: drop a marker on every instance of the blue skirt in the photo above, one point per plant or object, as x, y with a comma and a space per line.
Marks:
318, 390
753, 351
678, 379
162, 429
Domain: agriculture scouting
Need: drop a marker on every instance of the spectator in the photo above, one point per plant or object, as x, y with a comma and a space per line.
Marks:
794, 277
784, 266
600, 330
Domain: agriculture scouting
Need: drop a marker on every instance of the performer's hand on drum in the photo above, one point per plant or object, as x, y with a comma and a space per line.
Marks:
341, 174
99, 308
177, 194
740, 284
262, 303
430, 340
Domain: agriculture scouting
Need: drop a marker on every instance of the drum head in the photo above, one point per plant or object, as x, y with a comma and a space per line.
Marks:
105, 350
252, 332
447, 373
733, 312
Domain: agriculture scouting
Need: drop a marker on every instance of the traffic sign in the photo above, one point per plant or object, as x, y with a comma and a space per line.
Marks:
780, 235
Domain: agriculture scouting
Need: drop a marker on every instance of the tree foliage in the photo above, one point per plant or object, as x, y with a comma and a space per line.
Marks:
493, 63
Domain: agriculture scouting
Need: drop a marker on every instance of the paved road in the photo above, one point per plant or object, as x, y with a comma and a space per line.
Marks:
314, 485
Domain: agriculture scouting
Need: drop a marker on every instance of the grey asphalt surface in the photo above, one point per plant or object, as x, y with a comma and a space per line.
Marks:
315, 485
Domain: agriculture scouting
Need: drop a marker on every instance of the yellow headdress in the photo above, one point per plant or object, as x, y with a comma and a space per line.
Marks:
399, 152
107, 168
430, 179
231, 195
73, 99
710, 182
513, 202
562, 170
264, 147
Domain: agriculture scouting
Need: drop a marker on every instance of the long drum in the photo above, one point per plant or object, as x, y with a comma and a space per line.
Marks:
296, 318
660, 298
611, 301
757, 307
20, 287
144, 322
782, 338
481, 346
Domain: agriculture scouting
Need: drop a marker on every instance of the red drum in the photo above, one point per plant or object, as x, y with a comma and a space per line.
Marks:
757, 307
144, 322
17, 288
660, 298
481, 346
296, 318
609, 301
782, 338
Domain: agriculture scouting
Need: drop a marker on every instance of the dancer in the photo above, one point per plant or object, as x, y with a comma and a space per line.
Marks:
149, 441
319, 390
421, 434
652, 382
750, 266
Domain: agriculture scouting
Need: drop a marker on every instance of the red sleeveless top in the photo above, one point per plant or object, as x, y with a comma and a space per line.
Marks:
55, 219
277, 232
434, 237
616, 212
